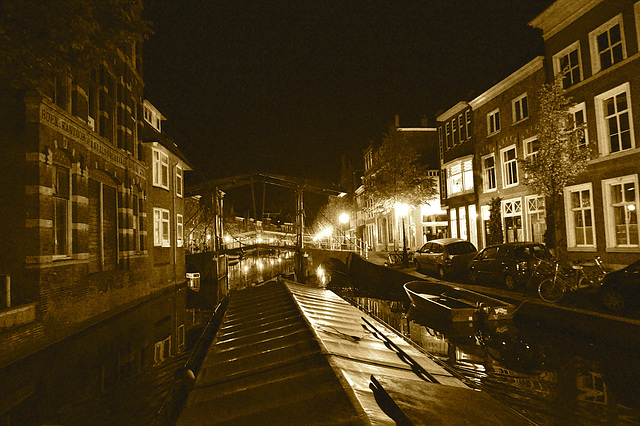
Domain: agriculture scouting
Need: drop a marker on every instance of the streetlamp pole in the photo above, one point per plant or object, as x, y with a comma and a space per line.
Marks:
405, 255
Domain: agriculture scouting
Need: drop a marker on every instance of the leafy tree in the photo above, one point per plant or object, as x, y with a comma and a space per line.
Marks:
328, 215
401, 176
41, 39
200, 219
561, 156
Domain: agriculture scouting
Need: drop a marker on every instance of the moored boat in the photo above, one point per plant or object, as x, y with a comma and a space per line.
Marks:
457, 304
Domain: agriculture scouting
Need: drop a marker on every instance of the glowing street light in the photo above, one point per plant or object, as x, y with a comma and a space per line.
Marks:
343, 219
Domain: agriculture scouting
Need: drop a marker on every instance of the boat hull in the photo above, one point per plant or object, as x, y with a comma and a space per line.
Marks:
457, 304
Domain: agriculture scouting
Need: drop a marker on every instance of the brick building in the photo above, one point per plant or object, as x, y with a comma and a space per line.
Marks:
80, 192
506, 132
596, 46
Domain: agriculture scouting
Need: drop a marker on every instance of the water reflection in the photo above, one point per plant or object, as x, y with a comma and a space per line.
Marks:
550, 377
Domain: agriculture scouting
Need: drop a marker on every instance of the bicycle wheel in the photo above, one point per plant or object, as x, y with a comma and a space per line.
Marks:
550, 290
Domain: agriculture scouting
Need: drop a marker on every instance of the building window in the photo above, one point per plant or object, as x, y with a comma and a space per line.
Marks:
468, 123
520, 108
179, 184
181, 337
531, 147
448, 134
160, 169
161, 227
454, 223
454, 132
493, 122
61, 209
179, 230
489, 172
578, 118
460, 177
461, 124
512, 214
578, 203
509, 167
614, 120
607, 44
621, 211
440, 143
537, 224
462, 215
568, 63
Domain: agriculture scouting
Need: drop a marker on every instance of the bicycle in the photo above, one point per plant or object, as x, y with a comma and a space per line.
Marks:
554, 288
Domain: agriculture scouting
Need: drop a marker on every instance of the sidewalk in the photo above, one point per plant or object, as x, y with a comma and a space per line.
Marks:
591, 322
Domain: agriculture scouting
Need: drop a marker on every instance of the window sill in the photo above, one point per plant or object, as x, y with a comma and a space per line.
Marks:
520, 121
614, 156
622, 249
511, 186
582, 249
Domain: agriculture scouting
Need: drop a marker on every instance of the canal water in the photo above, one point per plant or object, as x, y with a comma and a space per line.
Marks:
124, 370
551, 377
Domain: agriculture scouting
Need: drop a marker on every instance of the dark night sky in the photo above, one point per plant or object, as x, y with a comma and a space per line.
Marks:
287, 86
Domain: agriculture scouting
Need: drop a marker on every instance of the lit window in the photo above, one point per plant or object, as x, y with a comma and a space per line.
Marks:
161, 227
493, 122
448, 134
489, 172
453, 224
509, 167
613, 112
579, 216
468, 123
567, 62
460, 177
160, 169
536, 215
621, 211
520, 108
607, 44
179, 230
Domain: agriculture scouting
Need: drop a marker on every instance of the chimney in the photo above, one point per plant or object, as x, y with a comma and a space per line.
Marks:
424, 121
397, 121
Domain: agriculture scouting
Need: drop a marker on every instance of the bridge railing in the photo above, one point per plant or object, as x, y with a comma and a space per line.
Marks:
356, 245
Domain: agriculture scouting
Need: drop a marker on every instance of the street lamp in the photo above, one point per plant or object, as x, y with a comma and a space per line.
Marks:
403, 209
343, 219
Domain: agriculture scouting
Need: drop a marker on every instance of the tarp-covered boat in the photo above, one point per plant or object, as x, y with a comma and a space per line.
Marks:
457, 304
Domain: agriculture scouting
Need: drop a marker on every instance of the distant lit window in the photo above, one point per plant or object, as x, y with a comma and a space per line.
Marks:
578, 118
179, 230
613, 111
578, 203
531, 146
460, 177
509, 167
179, 181
161, 227
160, 169
621, 211
489, 172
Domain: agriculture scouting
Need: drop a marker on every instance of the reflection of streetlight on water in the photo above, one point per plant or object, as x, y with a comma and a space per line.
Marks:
402, 210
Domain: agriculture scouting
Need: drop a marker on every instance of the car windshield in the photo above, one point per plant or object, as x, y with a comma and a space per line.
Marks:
461, 247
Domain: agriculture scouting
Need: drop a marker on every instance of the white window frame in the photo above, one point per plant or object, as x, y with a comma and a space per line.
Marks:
557, 58
609, 216
596, 65
493, 120
454, 131
160, 175
453, 222
464, 167
569, 217
526, 144
512, 208
485, 173
462, 219
506, 167
179, 181
581, 107
516, 106
179, 230
161, 227
602, 125
538, 202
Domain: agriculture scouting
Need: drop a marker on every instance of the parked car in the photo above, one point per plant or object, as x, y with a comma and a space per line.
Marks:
444, 256
621, 289
510, 263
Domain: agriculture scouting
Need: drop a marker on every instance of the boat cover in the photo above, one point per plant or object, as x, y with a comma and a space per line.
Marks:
292, 354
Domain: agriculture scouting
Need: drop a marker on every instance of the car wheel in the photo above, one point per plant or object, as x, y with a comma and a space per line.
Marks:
613, 300
441, 272
472, 276
510, 282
